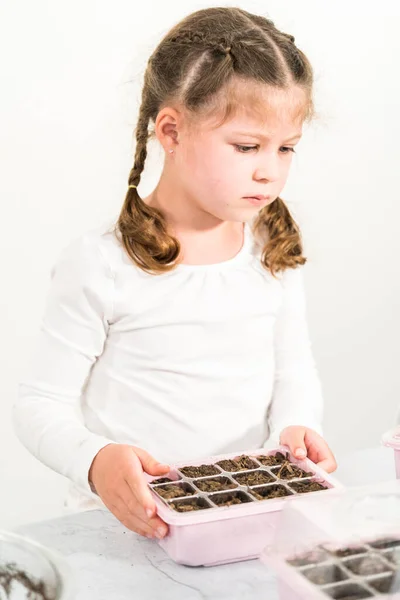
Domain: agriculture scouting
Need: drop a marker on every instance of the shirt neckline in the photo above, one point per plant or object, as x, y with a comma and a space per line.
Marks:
239, 258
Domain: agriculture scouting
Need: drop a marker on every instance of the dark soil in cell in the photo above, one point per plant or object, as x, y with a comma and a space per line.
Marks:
161, 480
230, 499
290, 471
383, 585
385, 543
344, 552
303, 487
324, 574
360, 595
313, 557
190, 505
273, 459
241, 463
393, 556
270, 491
349, 591
254, 478
168, 492
201, 471
215, 484
367, 565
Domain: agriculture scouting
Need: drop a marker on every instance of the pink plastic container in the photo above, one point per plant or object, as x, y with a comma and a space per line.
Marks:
217, 534
392, 439
345, 547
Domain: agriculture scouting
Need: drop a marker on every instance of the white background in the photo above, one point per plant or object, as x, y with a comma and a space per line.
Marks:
70, 79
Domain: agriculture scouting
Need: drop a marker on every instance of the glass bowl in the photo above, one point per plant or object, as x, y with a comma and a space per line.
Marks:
31, 571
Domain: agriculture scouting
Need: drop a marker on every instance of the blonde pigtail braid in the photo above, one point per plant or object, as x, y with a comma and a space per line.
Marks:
144, 231
283, 248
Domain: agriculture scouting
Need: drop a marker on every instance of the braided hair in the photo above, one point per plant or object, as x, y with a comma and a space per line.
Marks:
198, 63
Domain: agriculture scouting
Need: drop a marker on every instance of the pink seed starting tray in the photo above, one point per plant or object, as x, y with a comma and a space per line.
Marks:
226, 508
392, 439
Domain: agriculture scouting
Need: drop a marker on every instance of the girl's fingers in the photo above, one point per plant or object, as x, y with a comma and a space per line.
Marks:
135, 524
139, 488
294, 438
151, 465
303, 442
160, 528
328, 464
133, 507
319, 451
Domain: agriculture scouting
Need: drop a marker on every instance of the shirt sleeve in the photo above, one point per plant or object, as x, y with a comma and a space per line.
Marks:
46, 414
297, 394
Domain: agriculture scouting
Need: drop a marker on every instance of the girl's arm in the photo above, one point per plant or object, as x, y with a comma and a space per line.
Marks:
74, 329
297, 396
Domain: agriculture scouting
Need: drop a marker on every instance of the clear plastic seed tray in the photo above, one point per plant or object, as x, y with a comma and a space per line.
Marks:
392, 439
347, 547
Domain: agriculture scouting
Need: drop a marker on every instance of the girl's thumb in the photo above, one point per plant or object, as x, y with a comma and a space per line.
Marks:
294, 438
151, 465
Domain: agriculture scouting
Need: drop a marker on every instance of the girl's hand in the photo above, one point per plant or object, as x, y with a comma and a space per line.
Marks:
117, 475
304, 442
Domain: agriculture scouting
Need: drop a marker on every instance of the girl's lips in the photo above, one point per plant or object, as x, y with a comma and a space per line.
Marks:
257, 200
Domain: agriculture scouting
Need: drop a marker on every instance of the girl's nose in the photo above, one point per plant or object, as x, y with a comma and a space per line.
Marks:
268, 171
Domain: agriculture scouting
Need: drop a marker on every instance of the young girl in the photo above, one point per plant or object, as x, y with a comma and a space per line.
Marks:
181, 332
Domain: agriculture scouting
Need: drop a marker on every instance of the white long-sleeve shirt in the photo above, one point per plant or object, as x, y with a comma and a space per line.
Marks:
203, 360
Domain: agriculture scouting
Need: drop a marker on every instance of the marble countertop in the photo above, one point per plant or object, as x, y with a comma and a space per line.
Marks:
113, 563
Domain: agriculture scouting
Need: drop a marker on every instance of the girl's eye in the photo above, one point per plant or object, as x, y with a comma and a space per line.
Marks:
248, 149
245, 149
287, 149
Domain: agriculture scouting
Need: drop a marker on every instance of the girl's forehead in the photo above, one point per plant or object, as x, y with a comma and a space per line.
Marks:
266, 110
269, 125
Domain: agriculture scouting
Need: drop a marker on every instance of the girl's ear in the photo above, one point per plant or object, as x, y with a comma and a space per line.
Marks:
167, 127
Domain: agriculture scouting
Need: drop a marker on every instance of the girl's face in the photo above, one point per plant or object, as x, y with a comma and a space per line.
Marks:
232, 171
